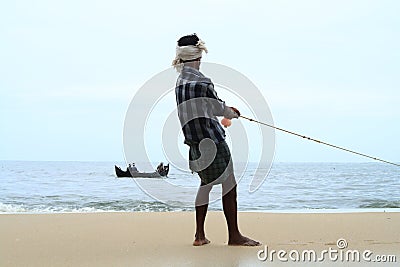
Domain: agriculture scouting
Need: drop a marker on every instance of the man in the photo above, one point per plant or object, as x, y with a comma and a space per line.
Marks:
209, 155
160, 167
133, 168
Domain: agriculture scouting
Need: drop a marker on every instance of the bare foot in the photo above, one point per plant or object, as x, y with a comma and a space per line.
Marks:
200, 241
243, 241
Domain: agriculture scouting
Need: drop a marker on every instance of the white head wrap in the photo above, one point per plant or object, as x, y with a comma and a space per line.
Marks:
188, 52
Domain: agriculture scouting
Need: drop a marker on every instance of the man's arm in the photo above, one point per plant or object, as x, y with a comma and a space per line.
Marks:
219, 106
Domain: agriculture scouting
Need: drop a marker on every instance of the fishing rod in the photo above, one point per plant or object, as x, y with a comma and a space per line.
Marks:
318, 141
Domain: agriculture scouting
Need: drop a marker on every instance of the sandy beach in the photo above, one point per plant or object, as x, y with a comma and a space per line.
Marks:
165, 239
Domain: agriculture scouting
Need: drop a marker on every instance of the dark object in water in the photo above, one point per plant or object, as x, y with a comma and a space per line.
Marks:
120, 173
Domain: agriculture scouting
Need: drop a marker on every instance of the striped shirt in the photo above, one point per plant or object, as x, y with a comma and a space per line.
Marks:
198, 107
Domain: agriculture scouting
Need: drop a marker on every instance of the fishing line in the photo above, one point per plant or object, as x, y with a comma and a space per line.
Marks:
320, 142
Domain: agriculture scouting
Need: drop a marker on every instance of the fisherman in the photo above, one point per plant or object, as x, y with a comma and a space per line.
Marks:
160, 167
133, 168
209, 154
166, 168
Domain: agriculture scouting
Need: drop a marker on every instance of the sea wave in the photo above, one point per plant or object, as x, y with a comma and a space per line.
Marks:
58, 187
107, 206
380, 204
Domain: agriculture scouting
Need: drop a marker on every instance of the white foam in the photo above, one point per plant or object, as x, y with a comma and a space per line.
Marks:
13, 209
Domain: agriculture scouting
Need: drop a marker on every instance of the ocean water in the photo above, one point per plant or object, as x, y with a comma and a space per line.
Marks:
50, 187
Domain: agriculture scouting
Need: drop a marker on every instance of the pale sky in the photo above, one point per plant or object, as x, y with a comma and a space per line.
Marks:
328, 69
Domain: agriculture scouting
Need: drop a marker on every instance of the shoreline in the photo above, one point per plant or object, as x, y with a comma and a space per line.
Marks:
294, 211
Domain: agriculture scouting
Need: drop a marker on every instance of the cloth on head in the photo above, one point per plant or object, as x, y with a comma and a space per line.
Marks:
188, 52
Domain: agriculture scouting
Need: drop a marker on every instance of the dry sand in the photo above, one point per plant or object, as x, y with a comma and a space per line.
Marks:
164, 239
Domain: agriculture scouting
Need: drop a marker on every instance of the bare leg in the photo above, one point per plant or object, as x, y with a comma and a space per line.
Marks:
229, 202
202, 200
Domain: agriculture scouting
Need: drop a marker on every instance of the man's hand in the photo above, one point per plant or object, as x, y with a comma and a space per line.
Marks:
231, 113
236, 111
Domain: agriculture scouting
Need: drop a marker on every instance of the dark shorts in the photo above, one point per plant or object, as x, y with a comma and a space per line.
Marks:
216, 172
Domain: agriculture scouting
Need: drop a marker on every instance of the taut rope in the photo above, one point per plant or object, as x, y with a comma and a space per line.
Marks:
321, 142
